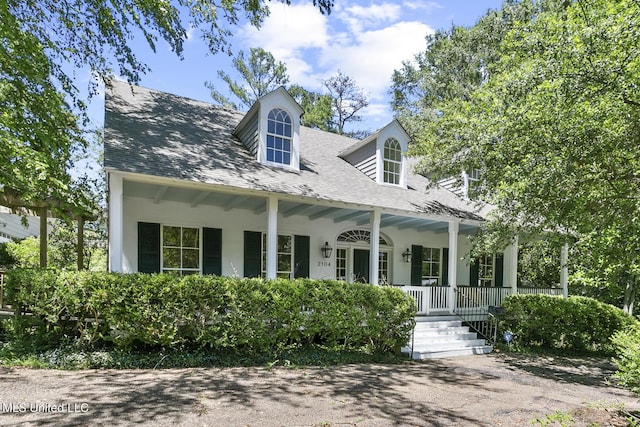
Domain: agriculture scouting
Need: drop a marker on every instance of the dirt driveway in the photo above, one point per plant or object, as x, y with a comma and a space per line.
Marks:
491, 390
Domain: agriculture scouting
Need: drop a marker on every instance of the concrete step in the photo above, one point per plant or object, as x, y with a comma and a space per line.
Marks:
447, 345
444, 336
432, 337
438, 324
437, 354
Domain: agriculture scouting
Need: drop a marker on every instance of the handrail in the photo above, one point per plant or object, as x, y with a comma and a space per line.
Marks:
487, 329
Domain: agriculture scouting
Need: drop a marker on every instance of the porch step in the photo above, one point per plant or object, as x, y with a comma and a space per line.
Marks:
444, 336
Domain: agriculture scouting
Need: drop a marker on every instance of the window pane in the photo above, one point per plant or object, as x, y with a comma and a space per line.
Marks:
190, 258
270, 141
284, 262
284, 244
190, 238
170, 236
171, 257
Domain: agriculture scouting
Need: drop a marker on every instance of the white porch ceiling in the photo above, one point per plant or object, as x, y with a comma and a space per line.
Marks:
311, 209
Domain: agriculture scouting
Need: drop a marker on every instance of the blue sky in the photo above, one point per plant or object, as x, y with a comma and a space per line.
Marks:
366, 40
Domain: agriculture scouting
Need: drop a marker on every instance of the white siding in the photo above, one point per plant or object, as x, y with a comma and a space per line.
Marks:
236, 221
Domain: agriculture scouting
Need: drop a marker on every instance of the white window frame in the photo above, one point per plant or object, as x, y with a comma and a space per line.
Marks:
279, 273
279, 119
427, 261
486, 270
392, 162
181, 270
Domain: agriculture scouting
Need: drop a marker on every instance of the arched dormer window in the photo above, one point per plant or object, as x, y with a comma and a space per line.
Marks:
279, 137
392, 161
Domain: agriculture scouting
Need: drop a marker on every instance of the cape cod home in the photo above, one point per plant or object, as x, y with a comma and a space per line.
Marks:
197, 188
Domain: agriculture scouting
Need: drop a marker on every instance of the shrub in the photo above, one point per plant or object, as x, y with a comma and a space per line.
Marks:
576, 324
627, 348
132, 311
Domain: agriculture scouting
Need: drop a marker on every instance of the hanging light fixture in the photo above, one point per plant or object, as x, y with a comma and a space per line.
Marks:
406, 255
326, 250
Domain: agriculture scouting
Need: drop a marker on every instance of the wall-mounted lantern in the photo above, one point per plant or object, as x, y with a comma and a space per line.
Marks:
326, 250
406, 255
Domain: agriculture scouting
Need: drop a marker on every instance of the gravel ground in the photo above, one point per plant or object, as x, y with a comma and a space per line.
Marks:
490, 390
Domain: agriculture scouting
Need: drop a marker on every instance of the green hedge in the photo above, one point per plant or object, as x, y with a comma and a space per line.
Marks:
576, 323
221, 313
627, 345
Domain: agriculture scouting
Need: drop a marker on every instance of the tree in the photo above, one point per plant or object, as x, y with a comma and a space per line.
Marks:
347, 99
39, 101
261, 74
316, 106
554, 129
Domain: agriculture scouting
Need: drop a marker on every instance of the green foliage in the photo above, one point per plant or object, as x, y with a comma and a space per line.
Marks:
46, 42
219, 313
260, 74
627, 347
317, 108
575, 324
542, 97
61, 249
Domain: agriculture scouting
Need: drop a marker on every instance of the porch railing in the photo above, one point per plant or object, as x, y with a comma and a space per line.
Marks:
430, 299
539, 291
476, 314
438, 299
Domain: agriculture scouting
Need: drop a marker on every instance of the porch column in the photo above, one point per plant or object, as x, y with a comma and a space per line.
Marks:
513, 265
272, 237
564, 270
454, 228
115, 222
374, 253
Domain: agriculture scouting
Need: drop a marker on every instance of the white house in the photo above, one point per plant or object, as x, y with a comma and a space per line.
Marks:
197, 188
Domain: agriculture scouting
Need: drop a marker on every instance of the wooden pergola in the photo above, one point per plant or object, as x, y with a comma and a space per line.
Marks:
12, 199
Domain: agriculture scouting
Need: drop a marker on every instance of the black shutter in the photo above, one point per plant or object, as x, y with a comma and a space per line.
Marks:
416, 265
498, 280
212, 251
252, 254
301, 256
474, 271
148, 247
445, 267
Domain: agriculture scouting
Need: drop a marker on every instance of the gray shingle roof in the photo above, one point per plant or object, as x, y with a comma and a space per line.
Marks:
160, 134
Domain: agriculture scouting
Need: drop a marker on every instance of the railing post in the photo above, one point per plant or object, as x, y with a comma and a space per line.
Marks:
454, 228
426, 301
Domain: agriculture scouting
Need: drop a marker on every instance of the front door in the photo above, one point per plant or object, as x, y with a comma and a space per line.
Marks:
361, 265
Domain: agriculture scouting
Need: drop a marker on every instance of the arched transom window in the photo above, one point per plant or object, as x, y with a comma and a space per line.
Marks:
392, 161
279, 136
363, 236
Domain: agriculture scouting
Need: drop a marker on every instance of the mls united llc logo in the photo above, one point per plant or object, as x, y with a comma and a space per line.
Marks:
19, 408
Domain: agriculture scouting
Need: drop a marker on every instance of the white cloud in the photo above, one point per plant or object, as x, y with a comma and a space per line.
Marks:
288, 28
373, 55
360, 17
364, 42
427, 6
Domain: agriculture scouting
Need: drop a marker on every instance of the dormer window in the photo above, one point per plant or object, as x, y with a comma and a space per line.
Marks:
392, 161
279, 137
